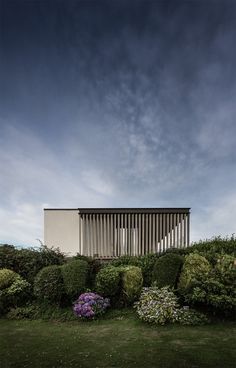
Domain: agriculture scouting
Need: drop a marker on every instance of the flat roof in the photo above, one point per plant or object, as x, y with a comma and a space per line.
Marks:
124, 210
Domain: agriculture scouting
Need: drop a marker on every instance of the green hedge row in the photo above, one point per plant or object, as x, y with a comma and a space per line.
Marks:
28, 262
121, 284
55, 284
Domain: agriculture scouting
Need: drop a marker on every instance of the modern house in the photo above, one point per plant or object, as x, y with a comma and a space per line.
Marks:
112, 232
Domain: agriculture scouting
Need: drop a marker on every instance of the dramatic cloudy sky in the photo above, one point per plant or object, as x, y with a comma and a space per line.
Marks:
117, 104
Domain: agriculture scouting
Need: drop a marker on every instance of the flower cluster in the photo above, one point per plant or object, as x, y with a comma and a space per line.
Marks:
89, 305
190, 317
161, 306
157, 305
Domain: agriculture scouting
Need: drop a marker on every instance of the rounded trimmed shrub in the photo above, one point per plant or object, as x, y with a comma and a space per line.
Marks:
146, 263
107, 281
75, 277
132, 282
217, 288
7, 277
195, 267
14, 290
166, 270
48, 284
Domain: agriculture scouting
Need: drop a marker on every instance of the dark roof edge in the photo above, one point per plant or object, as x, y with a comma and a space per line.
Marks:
124, 210
61, 209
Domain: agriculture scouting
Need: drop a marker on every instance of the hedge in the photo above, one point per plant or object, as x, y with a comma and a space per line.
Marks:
14, 290
107, 282
131, 283
75, 277
166, 270
195, 267
48, 285
28, 262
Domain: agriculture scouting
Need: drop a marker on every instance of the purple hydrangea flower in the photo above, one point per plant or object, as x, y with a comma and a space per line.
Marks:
89, 305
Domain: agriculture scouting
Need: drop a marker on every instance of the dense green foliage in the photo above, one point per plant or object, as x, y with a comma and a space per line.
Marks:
131, 283
48, 285
146, 264
107, 281
216, 245
75, 277
216, 289
95, 265
14, 290
29, 261
7, 277
194, 266
207, 277
167, 269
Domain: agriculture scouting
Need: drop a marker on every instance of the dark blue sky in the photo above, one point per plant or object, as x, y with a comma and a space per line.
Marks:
117, 103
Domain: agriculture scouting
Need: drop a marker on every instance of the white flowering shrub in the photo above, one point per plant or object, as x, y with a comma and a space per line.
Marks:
190, 317
161, 306
157, 305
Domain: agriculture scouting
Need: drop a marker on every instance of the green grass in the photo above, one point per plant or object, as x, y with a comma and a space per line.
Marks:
117, 341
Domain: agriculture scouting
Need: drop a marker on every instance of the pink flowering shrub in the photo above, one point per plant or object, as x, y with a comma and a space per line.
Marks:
90, 305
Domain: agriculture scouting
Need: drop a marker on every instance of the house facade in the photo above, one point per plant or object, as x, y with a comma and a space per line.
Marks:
113, 232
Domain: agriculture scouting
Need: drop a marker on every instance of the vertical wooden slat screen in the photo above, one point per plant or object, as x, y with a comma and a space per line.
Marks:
160, 227
177, 229
112, 235
118, 235
79, 236
149, 233
157, 233
121, 235
164, 231
139, 233
108, 236
181, 230
153, 233
184, 230
115, 235
134, 233
142, 242
126, 233
167, 230
82, 236
146, 234
188, 225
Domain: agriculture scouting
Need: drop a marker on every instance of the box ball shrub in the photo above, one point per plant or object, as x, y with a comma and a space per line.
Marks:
194, 267
166, 270
107, 281
75, 277
14, 290
7, 277
131, 283
48, 284
146, 263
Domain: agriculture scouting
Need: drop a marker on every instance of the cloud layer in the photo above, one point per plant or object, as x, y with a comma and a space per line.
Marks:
122, 105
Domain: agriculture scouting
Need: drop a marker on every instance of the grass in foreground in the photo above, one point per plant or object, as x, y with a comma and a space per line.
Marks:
121, 341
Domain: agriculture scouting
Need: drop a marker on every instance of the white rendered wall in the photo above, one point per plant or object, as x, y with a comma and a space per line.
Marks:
61, 229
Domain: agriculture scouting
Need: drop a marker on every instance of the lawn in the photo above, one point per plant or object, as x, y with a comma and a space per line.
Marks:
121, 341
